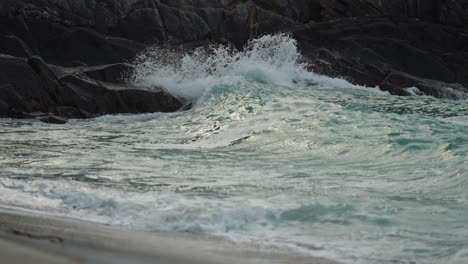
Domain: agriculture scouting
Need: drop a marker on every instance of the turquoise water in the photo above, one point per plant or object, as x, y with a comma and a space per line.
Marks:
270, 153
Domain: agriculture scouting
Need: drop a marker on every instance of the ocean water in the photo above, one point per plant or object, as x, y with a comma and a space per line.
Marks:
270, 153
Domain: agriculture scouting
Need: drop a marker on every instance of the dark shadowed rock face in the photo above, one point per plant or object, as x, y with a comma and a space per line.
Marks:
394, 82
31, 86
365, 51
364, 41
446, 12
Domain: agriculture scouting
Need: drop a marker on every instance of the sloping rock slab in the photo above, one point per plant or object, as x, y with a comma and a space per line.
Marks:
31, 86
401, 83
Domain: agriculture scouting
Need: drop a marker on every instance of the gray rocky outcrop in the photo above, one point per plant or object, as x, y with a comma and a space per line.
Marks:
31, 88
364, 41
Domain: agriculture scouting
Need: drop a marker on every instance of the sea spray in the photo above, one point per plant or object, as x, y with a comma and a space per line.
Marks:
271, 59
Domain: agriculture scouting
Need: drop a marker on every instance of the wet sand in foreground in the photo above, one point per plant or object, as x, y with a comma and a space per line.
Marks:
32, 238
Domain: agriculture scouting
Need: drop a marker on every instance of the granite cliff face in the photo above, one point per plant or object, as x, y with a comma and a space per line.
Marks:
394, 44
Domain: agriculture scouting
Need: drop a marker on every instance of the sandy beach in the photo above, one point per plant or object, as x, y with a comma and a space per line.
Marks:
32, 238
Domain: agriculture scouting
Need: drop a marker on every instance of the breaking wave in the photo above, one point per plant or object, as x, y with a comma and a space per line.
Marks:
271, 59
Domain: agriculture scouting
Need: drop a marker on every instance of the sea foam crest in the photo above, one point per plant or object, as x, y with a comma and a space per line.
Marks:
271, 59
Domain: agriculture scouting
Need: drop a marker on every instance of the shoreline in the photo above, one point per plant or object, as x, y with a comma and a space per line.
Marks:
25, 236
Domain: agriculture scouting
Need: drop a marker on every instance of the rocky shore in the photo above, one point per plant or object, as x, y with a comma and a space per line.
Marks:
64, 59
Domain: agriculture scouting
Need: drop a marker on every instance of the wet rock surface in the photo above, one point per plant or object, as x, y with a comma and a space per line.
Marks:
31, 86
66, 57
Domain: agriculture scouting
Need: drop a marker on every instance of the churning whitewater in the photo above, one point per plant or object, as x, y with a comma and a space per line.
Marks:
270, 153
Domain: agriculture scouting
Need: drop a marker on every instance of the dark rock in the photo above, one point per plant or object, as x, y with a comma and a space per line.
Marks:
47, 78
404, 84
144, 25
447, 12
183, 25
28, 86
72, 112
34, 115
365, 50
301, 11
53, 120
99, 98
61, 34
113, 73
22, 89
360, 40
14, 46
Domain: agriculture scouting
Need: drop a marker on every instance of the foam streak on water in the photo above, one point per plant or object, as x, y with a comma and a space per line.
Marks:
270, 153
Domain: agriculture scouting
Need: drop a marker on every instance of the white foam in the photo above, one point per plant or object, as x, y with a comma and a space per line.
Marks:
271, 59
414, 91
